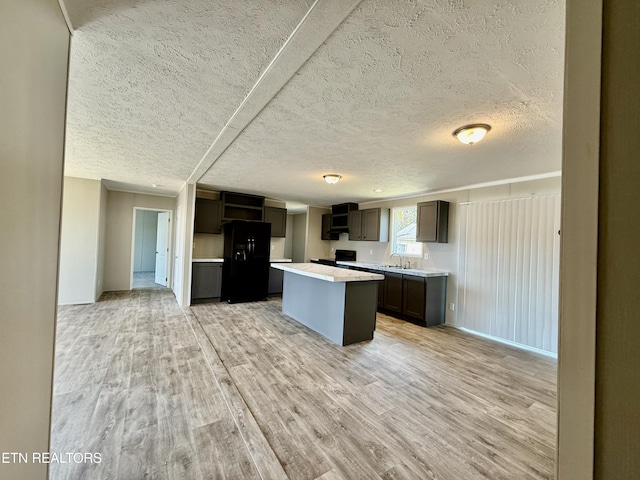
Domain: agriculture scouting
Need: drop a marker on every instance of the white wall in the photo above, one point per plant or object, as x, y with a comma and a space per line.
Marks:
79, 243
119, 234
315, 246
509, 264
288, 240
102, 240
146, 236
34, 45
185, 203
299, 238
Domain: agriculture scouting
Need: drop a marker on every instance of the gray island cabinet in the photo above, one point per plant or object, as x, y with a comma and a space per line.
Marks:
337, 303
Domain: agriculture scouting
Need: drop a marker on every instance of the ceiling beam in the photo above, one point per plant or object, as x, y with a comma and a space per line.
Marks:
65, 14
319, 22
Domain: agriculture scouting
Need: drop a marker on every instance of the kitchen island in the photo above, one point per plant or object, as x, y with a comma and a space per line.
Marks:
337, 303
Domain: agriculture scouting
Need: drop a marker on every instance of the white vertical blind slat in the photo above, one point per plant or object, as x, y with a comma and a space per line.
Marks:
509, 278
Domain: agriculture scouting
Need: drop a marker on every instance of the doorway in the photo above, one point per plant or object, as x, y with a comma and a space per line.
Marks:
151, 248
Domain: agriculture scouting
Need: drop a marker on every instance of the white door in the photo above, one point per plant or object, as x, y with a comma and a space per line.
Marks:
162, 248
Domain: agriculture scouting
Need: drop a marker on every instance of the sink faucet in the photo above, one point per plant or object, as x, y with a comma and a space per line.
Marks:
400, 264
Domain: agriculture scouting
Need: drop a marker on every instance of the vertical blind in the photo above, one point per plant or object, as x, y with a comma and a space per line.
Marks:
509, 270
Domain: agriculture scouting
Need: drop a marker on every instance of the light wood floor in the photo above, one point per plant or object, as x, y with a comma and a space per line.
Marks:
240, 391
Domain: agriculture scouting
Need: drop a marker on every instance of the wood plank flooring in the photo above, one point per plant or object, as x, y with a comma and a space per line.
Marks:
241, 391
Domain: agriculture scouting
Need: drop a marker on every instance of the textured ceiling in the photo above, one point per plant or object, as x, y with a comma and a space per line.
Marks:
153, 83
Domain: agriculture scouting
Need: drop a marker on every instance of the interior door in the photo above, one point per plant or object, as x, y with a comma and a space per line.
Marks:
162, 248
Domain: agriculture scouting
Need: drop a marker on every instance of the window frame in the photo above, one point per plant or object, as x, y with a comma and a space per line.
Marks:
393, 229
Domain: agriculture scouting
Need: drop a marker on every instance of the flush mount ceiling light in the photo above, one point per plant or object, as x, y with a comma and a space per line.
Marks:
470, 134
378, 190
332, 178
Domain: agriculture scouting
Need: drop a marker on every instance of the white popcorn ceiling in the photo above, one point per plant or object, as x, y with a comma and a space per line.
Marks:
153, 83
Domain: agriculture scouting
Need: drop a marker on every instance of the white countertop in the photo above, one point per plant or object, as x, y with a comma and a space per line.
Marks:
406, 271
221, 260
325, 272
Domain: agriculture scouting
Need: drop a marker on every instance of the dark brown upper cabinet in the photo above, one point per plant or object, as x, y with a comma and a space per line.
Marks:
326, 233
433, 222
340, 216
208, 216
240, 206
371, 224
277, 217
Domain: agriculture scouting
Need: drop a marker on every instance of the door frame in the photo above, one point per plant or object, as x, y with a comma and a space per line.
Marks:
169, 243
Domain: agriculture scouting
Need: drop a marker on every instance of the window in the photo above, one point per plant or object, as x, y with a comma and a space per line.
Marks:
403, 231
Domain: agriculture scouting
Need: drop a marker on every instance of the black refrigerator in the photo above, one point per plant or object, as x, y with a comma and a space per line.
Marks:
245, 272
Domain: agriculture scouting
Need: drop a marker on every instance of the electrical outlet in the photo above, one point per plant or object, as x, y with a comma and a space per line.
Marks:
452, 307
273, 247
371, 251
332, 249
426, 256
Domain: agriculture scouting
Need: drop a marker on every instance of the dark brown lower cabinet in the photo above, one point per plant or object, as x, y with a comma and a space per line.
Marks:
413, 296
393, 292
206, 282
436, 301
420, 300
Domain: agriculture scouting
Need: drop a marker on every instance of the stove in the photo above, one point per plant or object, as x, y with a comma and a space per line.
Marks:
341, 256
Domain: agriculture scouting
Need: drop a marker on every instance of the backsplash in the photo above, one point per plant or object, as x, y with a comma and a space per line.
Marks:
379, 252
212, 246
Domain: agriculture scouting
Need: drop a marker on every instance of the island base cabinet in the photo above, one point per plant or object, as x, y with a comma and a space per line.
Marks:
381, 294
343, 312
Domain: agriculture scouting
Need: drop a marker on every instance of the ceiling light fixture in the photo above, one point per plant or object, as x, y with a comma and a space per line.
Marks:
377, 190
332, 178
470, 134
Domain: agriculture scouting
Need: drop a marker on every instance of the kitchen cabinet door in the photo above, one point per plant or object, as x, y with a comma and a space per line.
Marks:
326, 233
208, 216
206, 280
413, 296
433, 221
393, 292
277, 217
355, 225
375, 224
371, 224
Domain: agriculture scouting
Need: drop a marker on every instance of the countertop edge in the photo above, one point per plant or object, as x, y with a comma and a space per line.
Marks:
406, 271
221, 260
327, 273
